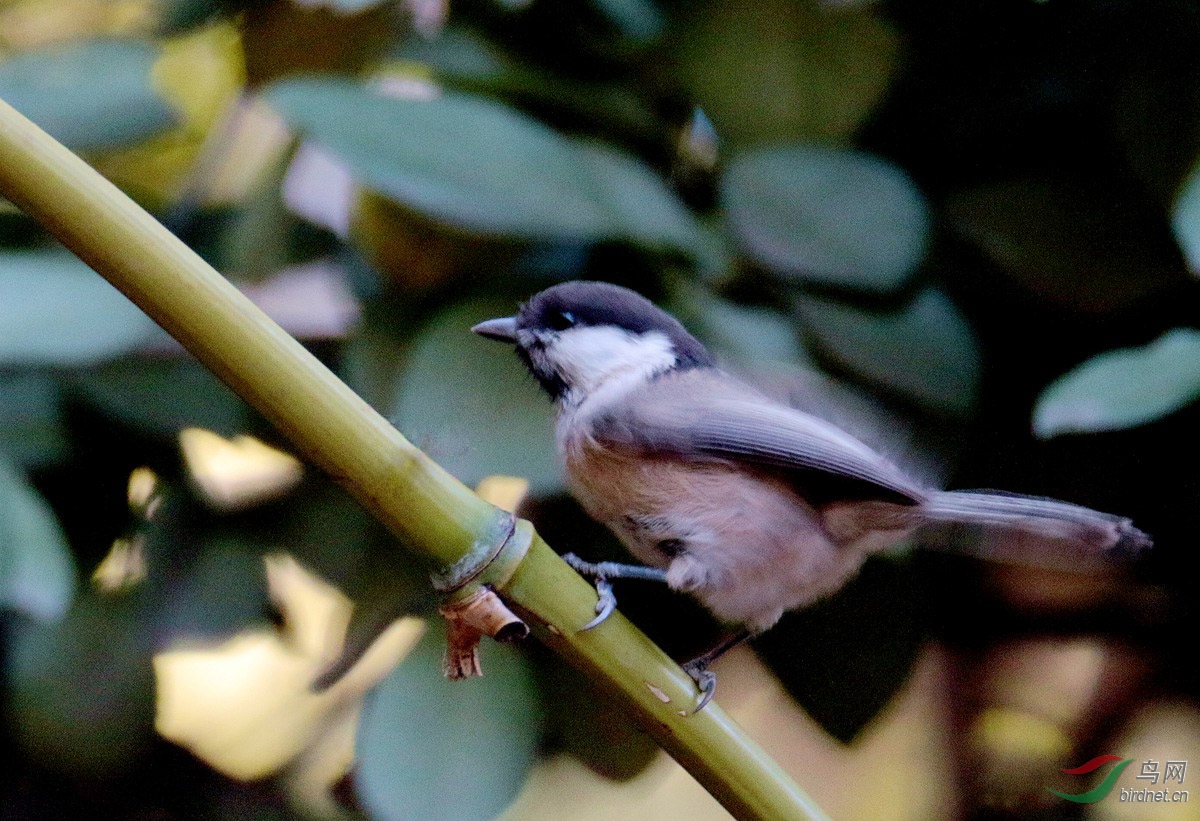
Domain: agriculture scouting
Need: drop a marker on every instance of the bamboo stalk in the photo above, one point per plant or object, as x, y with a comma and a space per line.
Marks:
430, 511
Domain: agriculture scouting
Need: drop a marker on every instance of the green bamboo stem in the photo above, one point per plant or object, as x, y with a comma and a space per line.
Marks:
430, 511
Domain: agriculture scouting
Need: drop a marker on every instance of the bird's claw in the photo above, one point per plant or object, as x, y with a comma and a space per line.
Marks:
607, 601
706, 681
602, 573
605, 605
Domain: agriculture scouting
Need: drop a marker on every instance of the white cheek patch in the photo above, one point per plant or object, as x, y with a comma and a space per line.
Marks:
588, 357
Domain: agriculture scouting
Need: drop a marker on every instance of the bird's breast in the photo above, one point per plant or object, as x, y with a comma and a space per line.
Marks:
745, 543
662, 506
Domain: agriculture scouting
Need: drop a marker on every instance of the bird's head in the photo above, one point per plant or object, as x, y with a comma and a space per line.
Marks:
576, 336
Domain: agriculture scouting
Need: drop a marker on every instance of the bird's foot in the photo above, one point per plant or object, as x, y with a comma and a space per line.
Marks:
606, 602
705, 679
697, 668
602, 574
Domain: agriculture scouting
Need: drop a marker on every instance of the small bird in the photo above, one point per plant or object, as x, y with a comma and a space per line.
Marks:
749, 505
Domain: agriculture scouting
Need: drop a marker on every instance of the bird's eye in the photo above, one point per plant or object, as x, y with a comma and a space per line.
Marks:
561, 320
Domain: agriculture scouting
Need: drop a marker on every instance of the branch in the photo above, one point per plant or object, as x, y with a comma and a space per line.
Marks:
466, 541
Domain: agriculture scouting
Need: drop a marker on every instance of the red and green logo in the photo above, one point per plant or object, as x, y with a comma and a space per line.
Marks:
1104, 787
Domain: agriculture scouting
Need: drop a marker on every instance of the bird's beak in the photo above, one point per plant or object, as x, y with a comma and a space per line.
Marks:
503, 329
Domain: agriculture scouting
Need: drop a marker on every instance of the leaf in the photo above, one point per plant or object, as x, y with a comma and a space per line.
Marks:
466, 60
199, 74
479, 165
742, 333
1091, 249
436, 749
373, 358
162, 396
54, 310
827, 215
259, 237
925, 351
640, 20
582, 721
776, 70
470, 405
37, 572
89, 95
81, 691
31, 423
458, 53
643, 209
330, 534
1185, 219
1123, 388
215, 594
180, 14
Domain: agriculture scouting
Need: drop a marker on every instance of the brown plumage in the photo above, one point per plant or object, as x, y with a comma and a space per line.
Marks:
750, 505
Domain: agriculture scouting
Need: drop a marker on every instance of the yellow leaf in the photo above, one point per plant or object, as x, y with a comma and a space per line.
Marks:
235, 474
245, 706
200, 74
505, 492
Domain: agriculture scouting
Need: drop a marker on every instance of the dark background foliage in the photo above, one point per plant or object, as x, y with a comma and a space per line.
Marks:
976, 226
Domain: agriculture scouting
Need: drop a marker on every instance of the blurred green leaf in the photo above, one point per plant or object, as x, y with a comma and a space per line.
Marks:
639, 20
37, 572
641, 208
214, 594
88, 95
1123, 388
1088, 249
589, 724
327, 531
31, 424
924, 351
179, 14
743, 333
460, 54
162, 396
472, 407
1185, 219
480, 165
54, 310
463, 159
827, 215
373, 358
82, 690
435, 749
261, 236
466, 60
776, 70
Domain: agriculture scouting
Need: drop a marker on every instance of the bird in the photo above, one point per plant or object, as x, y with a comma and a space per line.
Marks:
751, 506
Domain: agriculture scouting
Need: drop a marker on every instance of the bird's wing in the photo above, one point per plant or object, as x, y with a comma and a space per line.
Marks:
707, 414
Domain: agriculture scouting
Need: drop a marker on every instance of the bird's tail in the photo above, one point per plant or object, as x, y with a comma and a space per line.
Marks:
1028, 529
